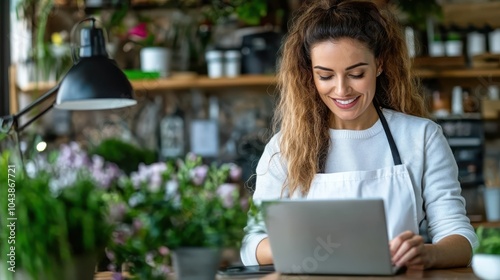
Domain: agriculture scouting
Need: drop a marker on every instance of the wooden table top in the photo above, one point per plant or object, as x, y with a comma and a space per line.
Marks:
453, 273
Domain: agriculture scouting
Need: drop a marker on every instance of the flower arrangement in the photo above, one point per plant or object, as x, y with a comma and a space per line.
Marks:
60, 212
151, 33
169, 205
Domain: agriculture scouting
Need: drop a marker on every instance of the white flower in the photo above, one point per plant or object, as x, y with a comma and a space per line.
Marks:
171, 187
135, 199
150, 259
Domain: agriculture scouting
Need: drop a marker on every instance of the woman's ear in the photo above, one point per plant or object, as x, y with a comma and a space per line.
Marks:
380, 65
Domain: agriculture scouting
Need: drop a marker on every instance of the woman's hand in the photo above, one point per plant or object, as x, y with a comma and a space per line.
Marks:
408, 249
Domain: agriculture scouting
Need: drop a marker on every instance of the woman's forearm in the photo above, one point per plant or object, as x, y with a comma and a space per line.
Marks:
451, 251
264, 255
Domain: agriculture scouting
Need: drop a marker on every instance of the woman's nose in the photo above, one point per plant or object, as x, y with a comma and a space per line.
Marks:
341, 87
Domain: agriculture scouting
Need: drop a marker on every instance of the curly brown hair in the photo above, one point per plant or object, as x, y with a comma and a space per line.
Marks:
302, 117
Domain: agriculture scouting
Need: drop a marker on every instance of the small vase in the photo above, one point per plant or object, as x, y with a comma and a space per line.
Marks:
156, 59
196, 263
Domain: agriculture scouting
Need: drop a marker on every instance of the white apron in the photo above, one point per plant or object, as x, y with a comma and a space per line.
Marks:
392, 184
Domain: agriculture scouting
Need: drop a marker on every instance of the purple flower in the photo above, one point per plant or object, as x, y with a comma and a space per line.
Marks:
117, 276
112, 267
138, 225
155, 182
163, 251
150, 175
104, 173
234, 172
164, 269
72, 156
199, 174
244, 203
110, 255
227, 193
119, 237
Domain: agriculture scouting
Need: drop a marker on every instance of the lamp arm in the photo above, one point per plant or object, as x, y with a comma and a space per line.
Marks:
51, 92
13, 120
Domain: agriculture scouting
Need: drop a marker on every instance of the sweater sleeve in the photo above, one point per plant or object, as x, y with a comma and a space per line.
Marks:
444, 204
271, 176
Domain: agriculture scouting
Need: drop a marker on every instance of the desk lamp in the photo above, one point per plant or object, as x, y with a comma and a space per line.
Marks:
94, 82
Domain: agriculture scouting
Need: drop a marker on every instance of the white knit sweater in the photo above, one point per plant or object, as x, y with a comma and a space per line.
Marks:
423, 149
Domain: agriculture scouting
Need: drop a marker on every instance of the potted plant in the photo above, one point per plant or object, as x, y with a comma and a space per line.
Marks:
176, 211
486, 259
57, 222
154, 37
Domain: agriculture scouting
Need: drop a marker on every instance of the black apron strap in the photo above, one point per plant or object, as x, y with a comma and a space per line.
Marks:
394, 149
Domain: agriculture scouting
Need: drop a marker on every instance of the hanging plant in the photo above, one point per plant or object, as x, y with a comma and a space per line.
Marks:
417, 11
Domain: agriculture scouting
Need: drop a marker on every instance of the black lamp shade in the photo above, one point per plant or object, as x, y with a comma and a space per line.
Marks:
94, 83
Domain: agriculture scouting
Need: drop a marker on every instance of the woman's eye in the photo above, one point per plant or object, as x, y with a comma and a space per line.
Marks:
324, 78
358, 76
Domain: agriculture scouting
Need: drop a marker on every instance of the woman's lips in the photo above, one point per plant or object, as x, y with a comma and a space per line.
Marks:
346, 103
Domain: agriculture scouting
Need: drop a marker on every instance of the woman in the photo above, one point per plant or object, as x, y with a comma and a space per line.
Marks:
352, 124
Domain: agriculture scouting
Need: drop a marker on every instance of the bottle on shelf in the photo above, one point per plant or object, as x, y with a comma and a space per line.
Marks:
457, 101
440, 105
172, 135
471, 102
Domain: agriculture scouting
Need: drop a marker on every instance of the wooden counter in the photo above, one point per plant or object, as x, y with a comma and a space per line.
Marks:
456, 273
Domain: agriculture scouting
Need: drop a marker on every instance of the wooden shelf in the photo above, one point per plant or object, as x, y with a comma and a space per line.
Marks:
202, 82
479, 13
486, 224
457, 73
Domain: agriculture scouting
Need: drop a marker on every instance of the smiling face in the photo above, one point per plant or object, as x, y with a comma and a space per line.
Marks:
345, 73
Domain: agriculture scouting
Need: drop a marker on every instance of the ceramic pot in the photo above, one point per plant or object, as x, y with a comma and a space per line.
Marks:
193, 263
156, 59
486, 266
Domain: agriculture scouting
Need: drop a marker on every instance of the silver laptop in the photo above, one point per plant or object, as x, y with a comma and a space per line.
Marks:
341, 236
